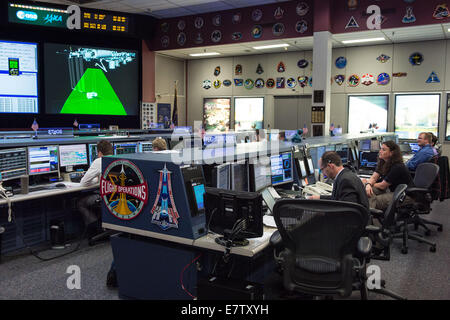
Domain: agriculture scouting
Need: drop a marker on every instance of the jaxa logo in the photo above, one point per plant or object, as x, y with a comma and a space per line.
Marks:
123, 189
164, 211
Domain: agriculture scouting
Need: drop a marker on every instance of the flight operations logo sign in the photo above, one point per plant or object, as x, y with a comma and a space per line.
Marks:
123, 189
164, 212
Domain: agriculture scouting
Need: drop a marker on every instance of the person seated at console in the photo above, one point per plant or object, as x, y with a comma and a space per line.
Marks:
260, 135
347, 186
435, 144
297, 137
87, 204
425, 153
159, 144
389, 173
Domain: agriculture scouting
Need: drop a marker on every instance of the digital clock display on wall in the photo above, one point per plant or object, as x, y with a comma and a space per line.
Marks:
91, 19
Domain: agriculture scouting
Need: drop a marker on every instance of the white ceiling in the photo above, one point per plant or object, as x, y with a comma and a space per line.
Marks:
165, 8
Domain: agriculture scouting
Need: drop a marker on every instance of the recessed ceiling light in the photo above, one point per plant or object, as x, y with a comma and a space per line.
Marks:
281, 45
363, 40
204, 54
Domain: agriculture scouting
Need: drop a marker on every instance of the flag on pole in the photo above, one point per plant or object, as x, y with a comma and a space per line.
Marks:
332, 130
305, 129
75, 123
175, 109
35, 125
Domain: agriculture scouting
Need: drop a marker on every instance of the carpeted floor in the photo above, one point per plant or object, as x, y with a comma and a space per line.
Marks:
420, 274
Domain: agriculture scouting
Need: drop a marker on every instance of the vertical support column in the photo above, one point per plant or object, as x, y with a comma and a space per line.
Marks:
321, 80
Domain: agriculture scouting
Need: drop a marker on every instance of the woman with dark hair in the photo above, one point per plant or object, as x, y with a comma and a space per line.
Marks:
389, 173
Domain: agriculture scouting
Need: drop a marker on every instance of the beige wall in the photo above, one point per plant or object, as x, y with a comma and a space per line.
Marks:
167, 71
360, 60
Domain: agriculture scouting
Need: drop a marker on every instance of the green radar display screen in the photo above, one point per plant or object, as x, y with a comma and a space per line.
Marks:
91, 81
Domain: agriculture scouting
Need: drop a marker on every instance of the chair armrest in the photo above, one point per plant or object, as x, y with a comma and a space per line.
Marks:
411, 190
275, 239
373, 229
379, 214
364, 246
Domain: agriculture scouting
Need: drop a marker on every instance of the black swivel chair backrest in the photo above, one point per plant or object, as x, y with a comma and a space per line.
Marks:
426, 174
320, 237
389, 213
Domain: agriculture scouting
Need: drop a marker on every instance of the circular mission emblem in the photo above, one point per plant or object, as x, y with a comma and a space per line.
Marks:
123, 189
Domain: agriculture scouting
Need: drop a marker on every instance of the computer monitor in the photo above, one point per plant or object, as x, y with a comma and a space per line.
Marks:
13, 163
281, 168
375, 145
125, 148
368, 159
330, 147
342, 151
223, 176
233, 214
309, 162
146, 146
364, 145
42, 159
239, 176
316, 154
260, 176
414, 146
72, 155
92, 148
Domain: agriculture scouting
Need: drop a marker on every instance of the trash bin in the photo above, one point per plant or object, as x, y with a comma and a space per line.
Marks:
57, 235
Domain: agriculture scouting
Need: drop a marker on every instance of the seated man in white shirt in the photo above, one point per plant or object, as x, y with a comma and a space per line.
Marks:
91, 177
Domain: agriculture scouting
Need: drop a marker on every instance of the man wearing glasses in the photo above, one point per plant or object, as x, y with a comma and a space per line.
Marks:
347, 186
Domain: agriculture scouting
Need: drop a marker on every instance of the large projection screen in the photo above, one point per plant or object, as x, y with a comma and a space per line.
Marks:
367, 113
216, 114
416, 113
248, 113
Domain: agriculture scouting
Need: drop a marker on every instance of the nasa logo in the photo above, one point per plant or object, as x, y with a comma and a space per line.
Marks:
164, 212
123, 189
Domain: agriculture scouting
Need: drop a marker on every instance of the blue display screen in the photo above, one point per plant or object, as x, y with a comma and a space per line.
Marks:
199, 191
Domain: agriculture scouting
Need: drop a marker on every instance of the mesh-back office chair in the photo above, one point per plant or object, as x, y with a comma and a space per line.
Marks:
382, 235
421, 194
325, 253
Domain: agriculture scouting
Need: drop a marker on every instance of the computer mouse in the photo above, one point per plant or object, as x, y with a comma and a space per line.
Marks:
60, 185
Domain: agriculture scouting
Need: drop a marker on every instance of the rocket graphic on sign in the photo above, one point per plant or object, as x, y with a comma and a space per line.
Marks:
164, 211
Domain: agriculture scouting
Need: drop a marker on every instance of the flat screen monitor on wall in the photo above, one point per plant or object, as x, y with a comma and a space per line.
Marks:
367, 113
248, 113
18, 77
416, 113
91, 81
216, 114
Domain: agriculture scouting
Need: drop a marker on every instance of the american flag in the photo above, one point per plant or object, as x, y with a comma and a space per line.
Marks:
305, 129
35, 125
332, 127
75, 123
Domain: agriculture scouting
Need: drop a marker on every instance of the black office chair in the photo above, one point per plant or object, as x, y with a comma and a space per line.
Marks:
421, 194
325, 251
381, 236
105, 234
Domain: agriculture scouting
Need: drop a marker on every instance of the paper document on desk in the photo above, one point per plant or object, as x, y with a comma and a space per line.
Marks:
269, 221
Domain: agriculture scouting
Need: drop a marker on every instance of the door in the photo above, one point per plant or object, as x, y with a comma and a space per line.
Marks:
292, 112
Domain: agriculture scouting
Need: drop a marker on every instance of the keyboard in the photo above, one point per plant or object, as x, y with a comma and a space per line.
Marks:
38, 188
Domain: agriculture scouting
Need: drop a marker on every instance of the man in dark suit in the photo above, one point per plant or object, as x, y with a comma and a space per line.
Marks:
347, 186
